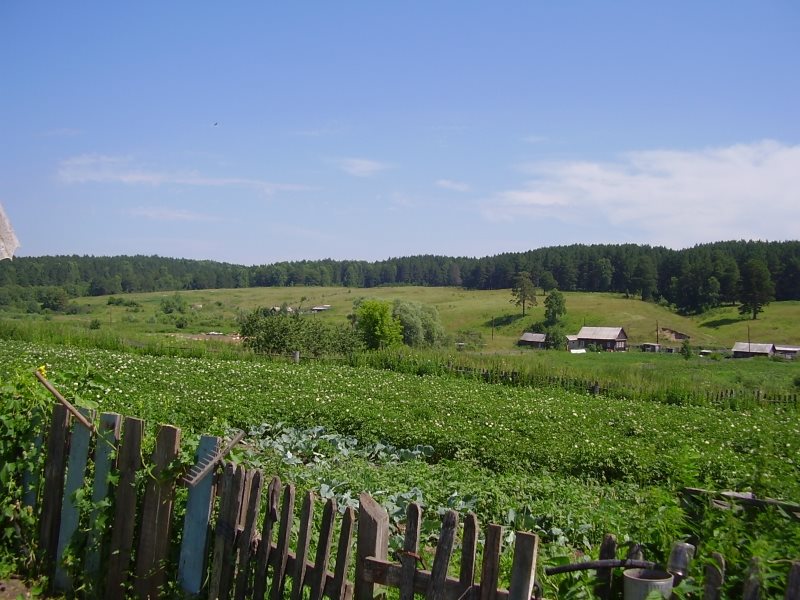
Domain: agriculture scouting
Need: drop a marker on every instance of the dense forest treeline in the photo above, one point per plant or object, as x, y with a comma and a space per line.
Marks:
692, 279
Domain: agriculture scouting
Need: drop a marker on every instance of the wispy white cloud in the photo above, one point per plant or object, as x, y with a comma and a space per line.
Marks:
169, 214
96, 168
456, 186
361, 167
670, 197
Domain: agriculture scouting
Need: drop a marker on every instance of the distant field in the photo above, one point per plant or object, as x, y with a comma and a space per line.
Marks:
478, 311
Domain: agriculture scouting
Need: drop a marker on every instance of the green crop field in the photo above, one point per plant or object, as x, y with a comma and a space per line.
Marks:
566, 465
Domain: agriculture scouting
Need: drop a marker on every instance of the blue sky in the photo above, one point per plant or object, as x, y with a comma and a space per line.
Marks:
254, 132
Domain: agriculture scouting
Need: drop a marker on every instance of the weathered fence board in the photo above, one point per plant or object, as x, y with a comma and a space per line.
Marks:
490, 572
372, 541
341, 588
265, 544
80, 439
410, 552
441, 559
156, 515
247, 535
608, 550
224, 560
303, 542
122, 529
199, 503
54, 469
323, 555
105, 453
282, 548
526, 548
715, 577
469, 548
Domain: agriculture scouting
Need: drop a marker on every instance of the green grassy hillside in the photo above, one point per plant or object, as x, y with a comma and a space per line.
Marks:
488, 312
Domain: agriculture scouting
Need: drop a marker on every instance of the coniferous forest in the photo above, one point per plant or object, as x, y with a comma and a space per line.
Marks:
692, 280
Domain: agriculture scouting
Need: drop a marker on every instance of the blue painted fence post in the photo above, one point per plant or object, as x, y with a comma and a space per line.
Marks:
76, 472
196, 530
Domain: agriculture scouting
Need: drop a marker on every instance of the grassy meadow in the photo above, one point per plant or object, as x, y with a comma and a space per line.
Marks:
489, 313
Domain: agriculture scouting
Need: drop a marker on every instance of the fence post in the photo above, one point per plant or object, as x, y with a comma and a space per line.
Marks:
490, 572
373, 540
608, 549
523, 570
194, 544
105, 452
130, 461
752, 583
441, 560
282, 547
469, 546
715, 577
156, 516
54, 468
76, 472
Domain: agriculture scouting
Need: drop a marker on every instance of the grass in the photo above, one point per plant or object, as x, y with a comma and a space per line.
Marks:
488, 312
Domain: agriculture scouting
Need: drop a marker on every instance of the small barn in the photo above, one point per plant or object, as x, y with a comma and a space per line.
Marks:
572, 342
748, 350
613, 339
650, 347
533, 340
788, 351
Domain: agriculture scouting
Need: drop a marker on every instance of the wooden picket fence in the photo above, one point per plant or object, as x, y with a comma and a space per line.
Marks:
238, 531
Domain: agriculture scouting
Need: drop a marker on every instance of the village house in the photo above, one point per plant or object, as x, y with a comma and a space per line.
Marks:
613, 339
787, 351
749, 350
533, 340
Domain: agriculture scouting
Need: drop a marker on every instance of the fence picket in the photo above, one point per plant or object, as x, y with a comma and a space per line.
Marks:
343, 589
80, 438
322, 558
372, 541
224, 559
469, 546
121, 544
282, 547
441, 560
490, 572
247, 535
410, 553
194, 543
265, 543
54, 486
715, 577
608, 550
157, 515
752, 582
105, 451
303, 542
523, 570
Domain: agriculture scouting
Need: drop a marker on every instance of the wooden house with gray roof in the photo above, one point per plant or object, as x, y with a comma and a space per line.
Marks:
749, 349
613, 339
